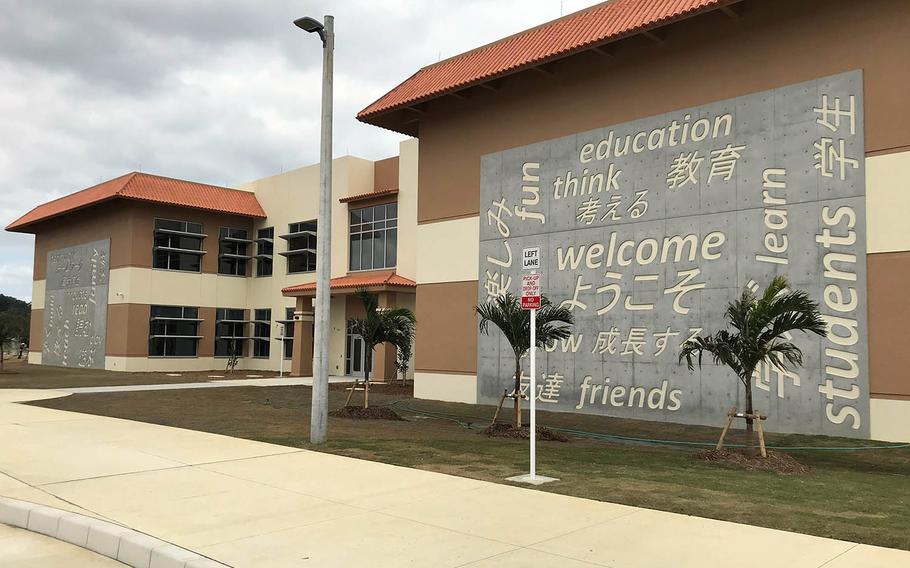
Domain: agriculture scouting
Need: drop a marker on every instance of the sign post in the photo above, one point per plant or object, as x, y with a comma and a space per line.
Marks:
530, 300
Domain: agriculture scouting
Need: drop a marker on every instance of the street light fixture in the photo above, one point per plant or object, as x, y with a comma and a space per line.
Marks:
310, 25
319, 414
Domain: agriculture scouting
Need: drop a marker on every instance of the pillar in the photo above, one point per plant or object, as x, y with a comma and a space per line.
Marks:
384, 358
302, 350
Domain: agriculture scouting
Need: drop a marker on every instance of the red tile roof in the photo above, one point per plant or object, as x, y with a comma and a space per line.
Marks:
371, 280
370, 195
582, 30
147, 187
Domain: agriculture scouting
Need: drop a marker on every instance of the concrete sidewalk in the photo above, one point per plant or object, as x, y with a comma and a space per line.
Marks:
265, 382
250, 504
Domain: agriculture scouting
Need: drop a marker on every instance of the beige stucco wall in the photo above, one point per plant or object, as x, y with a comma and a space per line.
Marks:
447, 251
890, 419
134, 285
38, 293
887, 202
445, 386
408, 235
291, 197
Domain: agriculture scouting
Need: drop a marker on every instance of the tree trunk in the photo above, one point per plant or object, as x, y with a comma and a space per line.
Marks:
750, 426
517, 392
367, 361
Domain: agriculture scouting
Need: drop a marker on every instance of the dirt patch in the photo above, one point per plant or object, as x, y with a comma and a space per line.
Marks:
544, 434
361, 413
776, 462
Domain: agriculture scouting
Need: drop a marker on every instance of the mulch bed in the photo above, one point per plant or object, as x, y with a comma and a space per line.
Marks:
361, 413
776, 462
502, 430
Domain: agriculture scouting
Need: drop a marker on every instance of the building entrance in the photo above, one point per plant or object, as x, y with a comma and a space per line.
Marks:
354, 352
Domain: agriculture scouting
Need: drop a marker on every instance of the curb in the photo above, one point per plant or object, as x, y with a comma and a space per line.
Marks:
117, 542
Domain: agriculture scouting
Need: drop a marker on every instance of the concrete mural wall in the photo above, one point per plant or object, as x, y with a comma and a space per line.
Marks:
647, 229
75, 305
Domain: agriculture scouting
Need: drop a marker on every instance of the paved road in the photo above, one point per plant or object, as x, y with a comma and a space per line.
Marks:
250, 504
23, 549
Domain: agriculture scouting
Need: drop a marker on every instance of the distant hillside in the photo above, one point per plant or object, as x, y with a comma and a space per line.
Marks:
15, 316
10, 304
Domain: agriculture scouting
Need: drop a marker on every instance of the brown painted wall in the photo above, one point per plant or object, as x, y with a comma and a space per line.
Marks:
207, 331
446, 327
127, 330
708, 58
105, 221
36, 330
889, 312
143, 217
385, 174
130, 226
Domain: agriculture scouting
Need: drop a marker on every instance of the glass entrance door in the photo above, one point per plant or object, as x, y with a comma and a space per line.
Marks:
354, 354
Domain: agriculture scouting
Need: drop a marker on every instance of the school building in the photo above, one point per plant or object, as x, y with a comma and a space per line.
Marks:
148, 273
663, 156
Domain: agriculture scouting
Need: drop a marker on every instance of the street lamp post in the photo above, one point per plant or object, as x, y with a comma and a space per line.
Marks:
320, 403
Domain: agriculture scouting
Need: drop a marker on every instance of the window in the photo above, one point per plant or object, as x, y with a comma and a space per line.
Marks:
232, 255
374, 237
262, 324
288, 341
173, 331
230, 333
301, 253
264, 246
177, 245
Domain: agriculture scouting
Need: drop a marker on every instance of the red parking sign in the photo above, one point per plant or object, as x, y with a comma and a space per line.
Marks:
530, 291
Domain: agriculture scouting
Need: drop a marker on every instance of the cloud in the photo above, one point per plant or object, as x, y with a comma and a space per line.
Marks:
217, 91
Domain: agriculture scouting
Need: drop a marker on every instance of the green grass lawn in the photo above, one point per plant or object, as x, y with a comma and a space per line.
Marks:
860, 496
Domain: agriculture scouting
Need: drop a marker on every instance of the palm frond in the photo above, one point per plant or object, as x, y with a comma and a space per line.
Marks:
759, 331
505, 313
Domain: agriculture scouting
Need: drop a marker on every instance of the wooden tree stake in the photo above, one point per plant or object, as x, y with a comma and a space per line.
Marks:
351, 392
723, 433
502, 399
761, 435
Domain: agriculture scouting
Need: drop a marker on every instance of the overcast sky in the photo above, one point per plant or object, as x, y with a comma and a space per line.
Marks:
217, 91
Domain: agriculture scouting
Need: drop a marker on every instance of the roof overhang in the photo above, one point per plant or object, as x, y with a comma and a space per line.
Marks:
595, 29
374, 282
368, 196
137, 186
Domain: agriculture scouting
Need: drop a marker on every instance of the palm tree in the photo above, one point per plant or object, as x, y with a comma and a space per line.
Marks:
761, 327
390, 325
403, 354
553, 323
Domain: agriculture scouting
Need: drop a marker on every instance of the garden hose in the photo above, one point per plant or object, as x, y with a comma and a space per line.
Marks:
473, 423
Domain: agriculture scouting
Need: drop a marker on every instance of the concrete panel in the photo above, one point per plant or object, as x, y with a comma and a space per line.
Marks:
647, 229
75, 314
